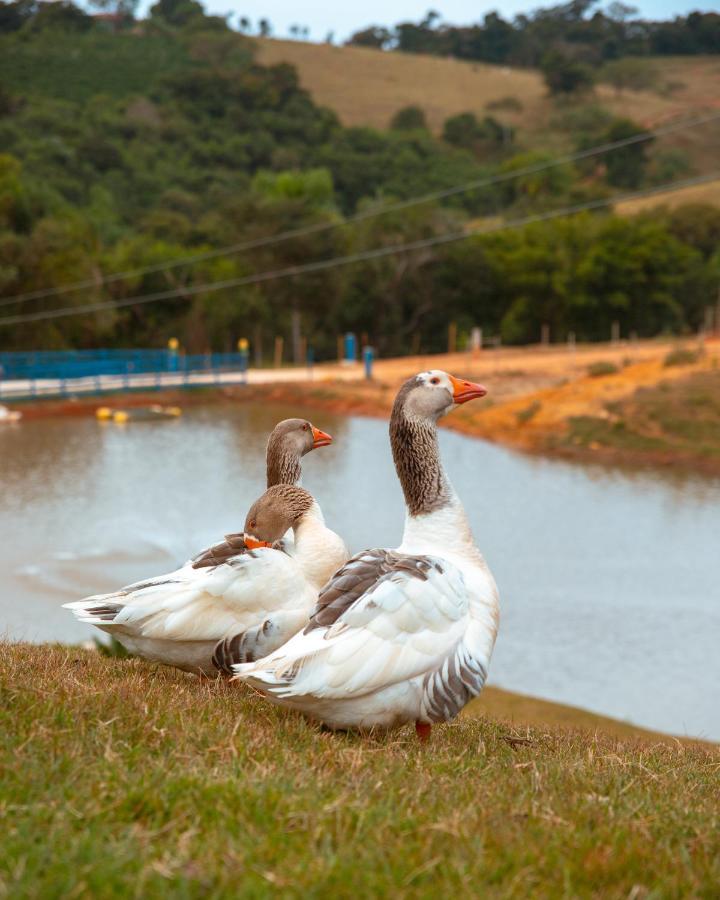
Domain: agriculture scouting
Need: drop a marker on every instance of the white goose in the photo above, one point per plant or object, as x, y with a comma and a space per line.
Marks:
177, 619
397, 635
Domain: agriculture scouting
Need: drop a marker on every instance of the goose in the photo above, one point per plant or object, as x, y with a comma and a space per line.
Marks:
289, 441
177, 619
397, 635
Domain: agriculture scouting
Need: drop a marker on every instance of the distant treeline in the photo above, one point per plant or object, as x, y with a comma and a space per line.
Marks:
577, 29
122, 152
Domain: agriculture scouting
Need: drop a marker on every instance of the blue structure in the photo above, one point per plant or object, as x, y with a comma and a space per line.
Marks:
350, 347
368, 356
59, 373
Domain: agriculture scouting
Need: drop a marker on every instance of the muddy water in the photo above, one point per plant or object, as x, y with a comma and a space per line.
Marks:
610, 583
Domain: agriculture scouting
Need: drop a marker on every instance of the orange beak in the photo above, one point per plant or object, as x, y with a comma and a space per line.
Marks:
320, 438
466, 390
252, 544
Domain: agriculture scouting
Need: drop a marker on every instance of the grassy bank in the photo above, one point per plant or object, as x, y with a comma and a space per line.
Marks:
119, 779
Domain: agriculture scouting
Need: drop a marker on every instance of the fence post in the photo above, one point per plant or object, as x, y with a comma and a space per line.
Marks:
243, 349
545, 334
303, 350
278, 351
615, 333
368, 354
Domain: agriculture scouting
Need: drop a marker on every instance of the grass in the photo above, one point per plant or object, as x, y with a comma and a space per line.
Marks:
367, 87
699, 193
678, 420
681, 356
122, 780
602, 368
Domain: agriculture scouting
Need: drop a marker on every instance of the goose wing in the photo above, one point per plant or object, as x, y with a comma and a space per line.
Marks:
384, 618
200, 603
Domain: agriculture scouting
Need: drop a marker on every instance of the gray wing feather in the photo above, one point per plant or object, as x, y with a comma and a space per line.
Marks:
364, 571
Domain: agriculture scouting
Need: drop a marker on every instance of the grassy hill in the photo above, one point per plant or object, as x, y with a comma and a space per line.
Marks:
700, 193
367, 87
121, 779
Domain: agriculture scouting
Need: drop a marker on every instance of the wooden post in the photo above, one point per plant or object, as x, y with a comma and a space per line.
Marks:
452, 337
278, 351
295, 327
615, 332
545, 334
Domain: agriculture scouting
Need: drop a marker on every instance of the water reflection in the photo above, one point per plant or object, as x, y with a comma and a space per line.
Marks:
609, 580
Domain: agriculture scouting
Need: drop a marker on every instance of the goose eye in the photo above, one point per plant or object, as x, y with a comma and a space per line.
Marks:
435, 380
253, 524
305, 426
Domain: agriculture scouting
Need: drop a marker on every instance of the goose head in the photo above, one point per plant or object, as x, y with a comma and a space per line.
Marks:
431, 395
289, 441
280, 508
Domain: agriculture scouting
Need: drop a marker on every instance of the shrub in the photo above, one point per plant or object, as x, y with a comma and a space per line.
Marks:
524, 415
409, 118
601, 368
681, 356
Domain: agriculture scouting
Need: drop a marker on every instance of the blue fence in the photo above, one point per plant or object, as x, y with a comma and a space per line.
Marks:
58, 373
84, 363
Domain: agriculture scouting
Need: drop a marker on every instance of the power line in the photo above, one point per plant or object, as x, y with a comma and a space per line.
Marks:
363, 256
364, 215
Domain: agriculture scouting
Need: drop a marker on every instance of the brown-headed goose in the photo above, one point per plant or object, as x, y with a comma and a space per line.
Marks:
177, 619
399, 635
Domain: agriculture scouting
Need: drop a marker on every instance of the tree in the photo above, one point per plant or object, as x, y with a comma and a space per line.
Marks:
626, 165
464, 130
265, 28
375, 36
177, 12
61, 15
564, 75
409, 118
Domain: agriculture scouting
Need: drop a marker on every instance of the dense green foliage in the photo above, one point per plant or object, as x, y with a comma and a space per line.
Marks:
124, 150
575, 28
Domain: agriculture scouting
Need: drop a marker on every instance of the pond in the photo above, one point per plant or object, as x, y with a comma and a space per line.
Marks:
609, 581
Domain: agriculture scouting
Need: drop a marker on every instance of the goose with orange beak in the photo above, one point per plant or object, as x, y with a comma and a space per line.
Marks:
237, 585
402, 635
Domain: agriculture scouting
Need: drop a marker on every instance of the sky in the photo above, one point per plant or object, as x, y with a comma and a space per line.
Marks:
345, 17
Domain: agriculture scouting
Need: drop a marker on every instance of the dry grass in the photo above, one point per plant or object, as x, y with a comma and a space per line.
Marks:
700, 193
366, 87
122, 780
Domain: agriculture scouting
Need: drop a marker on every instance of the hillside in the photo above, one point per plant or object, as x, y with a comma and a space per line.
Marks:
123, 779
366, 86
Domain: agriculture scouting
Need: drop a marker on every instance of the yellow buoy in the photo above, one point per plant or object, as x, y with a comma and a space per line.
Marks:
120, 417
103, 413
173, 410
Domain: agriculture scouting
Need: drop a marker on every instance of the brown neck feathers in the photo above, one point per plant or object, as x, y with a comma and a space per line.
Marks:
417, 461
282, 467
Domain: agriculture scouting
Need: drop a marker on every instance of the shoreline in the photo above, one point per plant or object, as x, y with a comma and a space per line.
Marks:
538, 399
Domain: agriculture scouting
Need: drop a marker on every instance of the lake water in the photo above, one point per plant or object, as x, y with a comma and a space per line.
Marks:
609, 582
